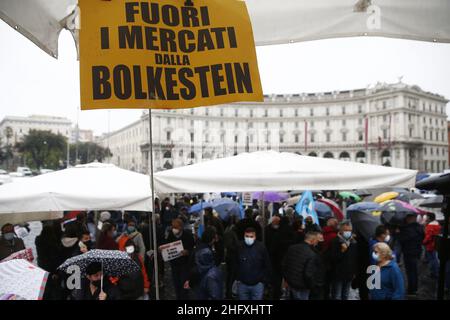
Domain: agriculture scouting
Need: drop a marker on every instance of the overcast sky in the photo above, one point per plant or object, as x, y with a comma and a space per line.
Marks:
32, 82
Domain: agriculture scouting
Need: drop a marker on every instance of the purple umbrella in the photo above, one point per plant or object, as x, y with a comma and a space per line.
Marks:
270, 196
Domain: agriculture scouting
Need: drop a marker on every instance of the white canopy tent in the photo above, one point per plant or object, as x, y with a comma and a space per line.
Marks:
274, 171
274, 22
93, 186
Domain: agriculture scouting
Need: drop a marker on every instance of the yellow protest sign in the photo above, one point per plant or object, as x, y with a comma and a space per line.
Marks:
162, 54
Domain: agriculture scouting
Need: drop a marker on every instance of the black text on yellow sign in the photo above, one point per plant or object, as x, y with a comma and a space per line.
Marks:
162, 54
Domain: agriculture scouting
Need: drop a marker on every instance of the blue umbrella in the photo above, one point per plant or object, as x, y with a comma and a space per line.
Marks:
364, 206
323, 211
199, 207
226, 207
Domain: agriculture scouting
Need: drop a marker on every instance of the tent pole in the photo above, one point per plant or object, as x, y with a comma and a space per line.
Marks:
263, 213
153, 215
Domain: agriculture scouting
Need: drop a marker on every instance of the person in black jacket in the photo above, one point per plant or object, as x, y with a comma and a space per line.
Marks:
48, 249
300, 267
279, 237
180, 265
252, 265
411, 237
344, 261
91, 288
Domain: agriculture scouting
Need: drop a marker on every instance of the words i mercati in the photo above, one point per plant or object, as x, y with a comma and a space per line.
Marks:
121, 80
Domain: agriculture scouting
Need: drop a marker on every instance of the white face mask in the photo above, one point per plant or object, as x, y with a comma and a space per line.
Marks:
130, 249
249, 241
387, 239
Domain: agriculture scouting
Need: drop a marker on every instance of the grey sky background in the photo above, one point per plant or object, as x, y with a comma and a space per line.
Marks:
32, 82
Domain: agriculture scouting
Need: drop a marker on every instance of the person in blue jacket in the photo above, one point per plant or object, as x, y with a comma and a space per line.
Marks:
382, 234
388, 281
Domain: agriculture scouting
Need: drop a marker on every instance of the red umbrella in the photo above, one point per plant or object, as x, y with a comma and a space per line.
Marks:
334, 207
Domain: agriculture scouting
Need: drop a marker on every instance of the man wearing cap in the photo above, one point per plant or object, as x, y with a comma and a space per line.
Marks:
9, 242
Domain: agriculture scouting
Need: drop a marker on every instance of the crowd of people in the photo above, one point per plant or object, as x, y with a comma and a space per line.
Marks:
289, 257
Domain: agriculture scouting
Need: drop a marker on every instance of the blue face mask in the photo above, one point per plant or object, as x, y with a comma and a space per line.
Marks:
347, 234
131, 229
249, 241
375, 256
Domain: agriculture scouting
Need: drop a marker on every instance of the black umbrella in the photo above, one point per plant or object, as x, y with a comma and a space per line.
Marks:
433, 202
114, 263
363, 193
394, 212
364, 222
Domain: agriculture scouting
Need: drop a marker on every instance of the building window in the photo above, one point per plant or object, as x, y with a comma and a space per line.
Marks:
250, 125
344, 122
192, 137
236, 125
344, 136
384, 104
221, 112
206, 111
281, 138
207, 124
385, 134
266, 113
222, 138
236, 113
296, 112
360, 136
168, 135
192, 111
384, 118
266, 125
206, 137
296, 138
311, 112
328, 137
236, 138
312, 124
312, 137
343, 110
192, 155
251, 113
281, 124
410, 132
327, 111
360, 109
267, 137
281, 113
328, 123
296, 124
425, 134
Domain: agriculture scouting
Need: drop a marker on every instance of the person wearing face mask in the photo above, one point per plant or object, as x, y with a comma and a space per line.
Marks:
168, 213
135, 285
301, 267
180, 265
382, 234
279, 237
9, 242
252, 265
391, 282
132, 233
343, 253
91, 286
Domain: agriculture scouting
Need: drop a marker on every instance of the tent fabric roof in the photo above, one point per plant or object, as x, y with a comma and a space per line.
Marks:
274, 171
274, 22
94, 186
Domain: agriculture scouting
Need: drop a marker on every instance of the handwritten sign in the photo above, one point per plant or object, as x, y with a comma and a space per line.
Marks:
171, 250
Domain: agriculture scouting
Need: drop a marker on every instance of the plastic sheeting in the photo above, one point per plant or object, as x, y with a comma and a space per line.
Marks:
94, 186
274, 22
274, 171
